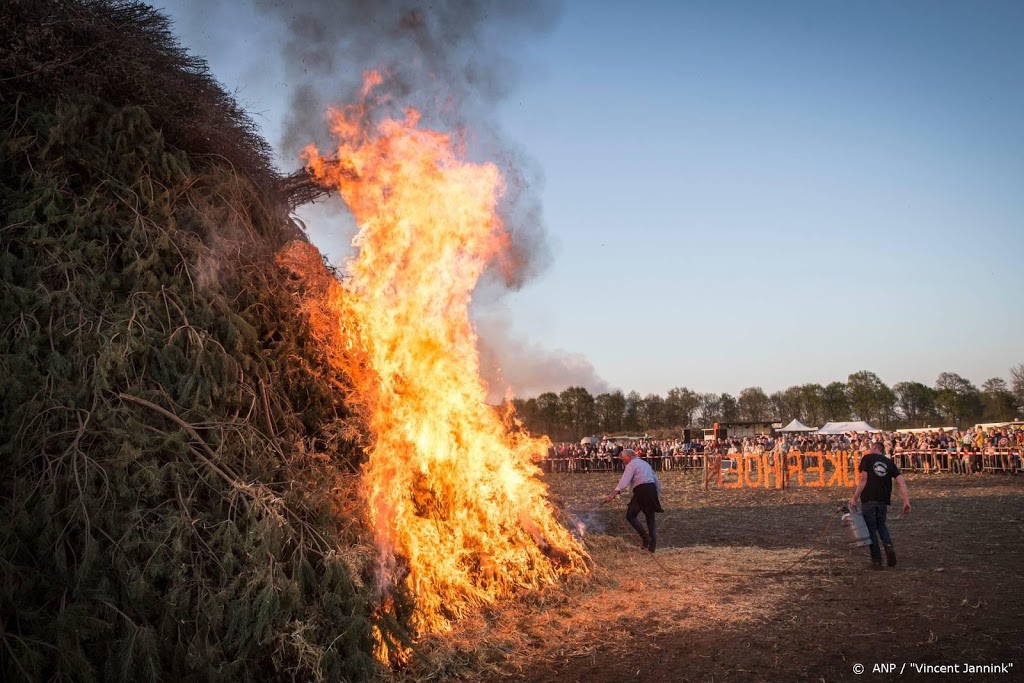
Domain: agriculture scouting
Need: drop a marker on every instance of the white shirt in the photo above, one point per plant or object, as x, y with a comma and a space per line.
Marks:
638, 472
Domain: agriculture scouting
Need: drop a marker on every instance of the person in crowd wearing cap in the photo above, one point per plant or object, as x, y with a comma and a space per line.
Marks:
874, 490
646, 489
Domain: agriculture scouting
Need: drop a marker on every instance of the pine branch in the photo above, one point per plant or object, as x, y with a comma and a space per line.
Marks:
207, 459
302, 188
226, 474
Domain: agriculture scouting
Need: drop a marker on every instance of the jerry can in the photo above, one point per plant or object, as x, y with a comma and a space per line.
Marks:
855, 529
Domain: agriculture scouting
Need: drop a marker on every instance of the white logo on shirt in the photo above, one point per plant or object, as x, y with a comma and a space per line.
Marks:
880, 469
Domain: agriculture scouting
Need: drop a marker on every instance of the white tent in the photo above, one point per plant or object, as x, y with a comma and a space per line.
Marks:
846, 427
796, 426
589, 441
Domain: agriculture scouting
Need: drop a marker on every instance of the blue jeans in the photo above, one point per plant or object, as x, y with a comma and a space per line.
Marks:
874, 516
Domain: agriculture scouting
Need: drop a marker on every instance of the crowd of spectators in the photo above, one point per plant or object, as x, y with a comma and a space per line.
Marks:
971, 451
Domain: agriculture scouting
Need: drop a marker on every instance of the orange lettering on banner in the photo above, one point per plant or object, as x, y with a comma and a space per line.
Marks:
849, 469
820, 469
854, 463
739, 474
838, 469
749, 462
775, 469
796, 465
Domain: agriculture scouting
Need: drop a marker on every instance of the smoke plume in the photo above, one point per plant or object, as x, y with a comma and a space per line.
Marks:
453, 61
510, 364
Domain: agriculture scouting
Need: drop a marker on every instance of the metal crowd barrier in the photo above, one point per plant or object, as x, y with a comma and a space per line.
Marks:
991, 460
661, 463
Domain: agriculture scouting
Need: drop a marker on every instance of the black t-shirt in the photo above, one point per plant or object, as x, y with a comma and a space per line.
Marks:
881, 471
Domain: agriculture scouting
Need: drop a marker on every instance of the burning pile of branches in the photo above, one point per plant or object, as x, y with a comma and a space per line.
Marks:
177, 493
186, 404
458, 514
302, 187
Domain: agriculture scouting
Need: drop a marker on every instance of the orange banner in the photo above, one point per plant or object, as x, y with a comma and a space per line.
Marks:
767, 470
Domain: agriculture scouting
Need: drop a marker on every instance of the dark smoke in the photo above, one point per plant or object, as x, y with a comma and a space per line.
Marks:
453, 61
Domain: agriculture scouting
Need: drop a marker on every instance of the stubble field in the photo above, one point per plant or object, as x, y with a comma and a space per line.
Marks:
748, 585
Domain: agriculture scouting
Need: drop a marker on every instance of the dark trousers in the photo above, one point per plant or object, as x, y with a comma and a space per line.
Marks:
632, 511
874, 516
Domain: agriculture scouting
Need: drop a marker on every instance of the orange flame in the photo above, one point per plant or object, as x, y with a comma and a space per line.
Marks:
455, 504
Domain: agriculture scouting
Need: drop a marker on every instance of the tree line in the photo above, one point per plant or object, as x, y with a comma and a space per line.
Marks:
952, 401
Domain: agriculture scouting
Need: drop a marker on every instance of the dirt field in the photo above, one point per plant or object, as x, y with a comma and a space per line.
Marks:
711, 605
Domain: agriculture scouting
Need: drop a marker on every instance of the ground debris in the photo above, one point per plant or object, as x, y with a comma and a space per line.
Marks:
721, 617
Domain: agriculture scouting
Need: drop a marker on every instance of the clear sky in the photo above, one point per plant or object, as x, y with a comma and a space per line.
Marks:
743, 193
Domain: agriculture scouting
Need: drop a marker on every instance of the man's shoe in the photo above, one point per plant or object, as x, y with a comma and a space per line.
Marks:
876, 565
890, 556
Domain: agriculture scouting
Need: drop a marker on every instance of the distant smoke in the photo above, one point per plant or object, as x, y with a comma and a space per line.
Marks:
451, 60
511, 364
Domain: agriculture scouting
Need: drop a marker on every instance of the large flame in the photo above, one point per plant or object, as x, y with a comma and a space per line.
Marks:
454, 501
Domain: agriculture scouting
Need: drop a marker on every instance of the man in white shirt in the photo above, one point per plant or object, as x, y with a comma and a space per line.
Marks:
646, 489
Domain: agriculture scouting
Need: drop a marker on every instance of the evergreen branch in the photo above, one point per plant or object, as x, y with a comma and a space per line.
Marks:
209, 457
14, 658
55, 64
114, 607
140, 216
225, 473
266, 408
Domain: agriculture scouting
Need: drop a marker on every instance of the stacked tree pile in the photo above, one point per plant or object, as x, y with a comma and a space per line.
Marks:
173, 497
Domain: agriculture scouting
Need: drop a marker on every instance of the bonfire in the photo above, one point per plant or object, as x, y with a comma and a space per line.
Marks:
457, 510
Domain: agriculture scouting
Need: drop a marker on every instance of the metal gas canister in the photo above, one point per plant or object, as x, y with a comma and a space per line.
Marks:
855, 529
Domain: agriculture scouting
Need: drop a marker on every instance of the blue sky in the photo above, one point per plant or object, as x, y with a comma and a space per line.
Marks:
744, 193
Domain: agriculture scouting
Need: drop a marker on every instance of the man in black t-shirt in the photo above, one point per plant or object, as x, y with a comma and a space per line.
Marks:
874, 490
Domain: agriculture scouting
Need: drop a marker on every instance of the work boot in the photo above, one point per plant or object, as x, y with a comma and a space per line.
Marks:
890, 556
876, 564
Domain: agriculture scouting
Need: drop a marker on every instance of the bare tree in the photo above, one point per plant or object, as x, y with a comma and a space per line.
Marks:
835, 402
730, 408
611, 408
754, 405
577, 408
710, 409
957, 399
869, 397
915, 402
681, 404
997, 400
1017, 385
